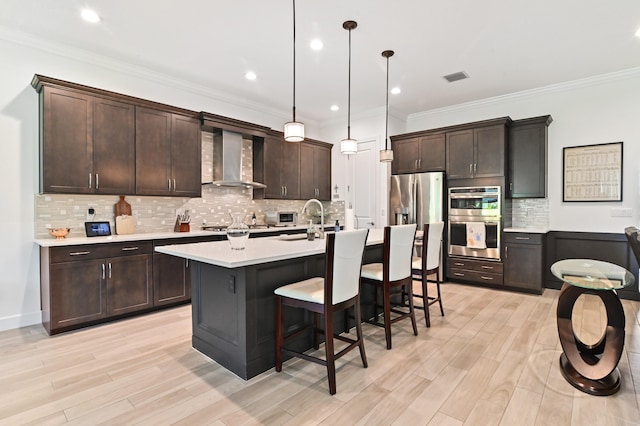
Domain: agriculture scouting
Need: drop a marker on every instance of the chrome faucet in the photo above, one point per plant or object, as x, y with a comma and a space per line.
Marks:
313, 200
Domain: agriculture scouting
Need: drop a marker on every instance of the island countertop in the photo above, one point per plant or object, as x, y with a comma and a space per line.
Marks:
257, 250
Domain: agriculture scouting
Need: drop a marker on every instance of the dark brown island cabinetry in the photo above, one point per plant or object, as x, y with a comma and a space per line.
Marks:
93, 141
524, 259
527, 175
424, 153
168, 154
87, 143
315, 170
477, 152
475, 271
84, 284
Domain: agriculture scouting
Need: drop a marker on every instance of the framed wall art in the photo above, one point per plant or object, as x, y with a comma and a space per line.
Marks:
592, 172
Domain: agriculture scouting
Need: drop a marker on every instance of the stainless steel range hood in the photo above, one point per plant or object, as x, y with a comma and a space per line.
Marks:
227, 161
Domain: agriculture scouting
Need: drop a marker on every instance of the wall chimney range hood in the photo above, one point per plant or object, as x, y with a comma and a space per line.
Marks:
228, 134
227, 161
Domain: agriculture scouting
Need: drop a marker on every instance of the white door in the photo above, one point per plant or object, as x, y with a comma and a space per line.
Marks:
365, 188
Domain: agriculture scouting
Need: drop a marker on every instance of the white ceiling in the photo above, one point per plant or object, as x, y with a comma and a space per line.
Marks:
504, 45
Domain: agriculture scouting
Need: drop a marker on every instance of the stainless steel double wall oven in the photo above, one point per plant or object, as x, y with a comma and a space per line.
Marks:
469, 207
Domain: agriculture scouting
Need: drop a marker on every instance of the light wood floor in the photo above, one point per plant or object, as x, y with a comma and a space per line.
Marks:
493, 359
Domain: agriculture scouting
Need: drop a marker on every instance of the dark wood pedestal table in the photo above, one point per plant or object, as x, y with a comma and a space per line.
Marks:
593, 368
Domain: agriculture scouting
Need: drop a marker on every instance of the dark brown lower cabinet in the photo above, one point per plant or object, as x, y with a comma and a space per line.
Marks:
171, 279
524, 261
475, 271
84, 284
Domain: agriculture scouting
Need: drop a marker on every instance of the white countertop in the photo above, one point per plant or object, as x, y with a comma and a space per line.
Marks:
527, 230
257, 250
52, 242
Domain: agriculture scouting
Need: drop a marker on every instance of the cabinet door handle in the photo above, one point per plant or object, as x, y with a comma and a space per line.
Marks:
89, 180
79, 253
103, 271
130, 248
470, 168
109, 270
475, 167
522, 238
169, 184
510, 186
186, 263
285, 190
506, 252
174, 185
419, 163
97, 181
486, 278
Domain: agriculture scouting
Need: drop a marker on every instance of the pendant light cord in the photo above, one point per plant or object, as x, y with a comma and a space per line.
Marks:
349, 92
294, 60
386, 127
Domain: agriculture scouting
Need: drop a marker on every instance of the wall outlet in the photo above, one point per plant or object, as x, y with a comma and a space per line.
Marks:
622, 212
91, 213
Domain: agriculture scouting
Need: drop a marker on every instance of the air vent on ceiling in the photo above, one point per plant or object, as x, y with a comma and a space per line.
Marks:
456, 76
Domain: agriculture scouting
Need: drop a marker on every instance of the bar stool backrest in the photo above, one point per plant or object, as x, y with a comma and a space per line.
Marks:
347, 264
401, 241
432, 245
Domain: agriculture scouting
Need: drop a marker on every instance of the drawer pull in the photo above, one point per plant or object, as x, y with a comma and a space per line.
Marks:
458, 264
522, 238
79, 253
486, 278
458, 274
130, 248
487, 267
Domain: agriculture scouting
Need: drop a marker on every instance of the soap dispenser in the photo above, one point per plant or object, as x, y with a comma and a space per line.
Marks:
311, 231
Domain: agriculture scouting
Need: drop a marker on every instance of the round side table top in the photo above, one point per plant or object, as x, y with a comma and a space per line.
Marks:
592, 274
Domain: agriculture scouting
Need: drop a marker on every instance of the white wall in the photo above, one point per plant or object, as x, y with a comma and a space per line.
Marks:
370, 126
592, 111
21, 59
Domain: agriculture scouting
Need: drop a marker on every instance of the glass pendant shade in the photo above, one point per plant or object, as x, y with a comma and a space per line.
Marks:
386, 155
349, 146
293, 131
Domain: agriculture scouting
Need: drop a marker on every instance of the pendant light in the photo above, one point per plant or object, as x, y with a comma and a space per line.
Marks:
294, 130
386, 155
349, 146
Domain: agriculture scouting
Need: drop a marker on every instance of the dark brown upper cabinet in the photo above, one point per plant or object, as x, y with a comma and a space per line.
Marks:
315, 170
527, 173
292, 171
168, 154
87, 144
424, 153
476, 152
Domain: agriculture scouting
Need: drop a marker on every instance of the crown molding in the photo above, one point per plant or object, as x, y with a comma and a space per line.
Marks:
627, 74
30, 41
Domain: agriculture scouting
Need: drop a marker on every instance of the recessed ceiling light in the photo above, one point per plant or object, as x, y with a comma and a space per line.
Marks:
250, 75
90, 16
316, 44
334, 107
395, 91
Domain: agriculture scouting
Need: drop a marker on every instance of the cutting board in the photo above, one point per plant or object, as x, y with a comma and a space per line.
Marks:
122, 207
124, 225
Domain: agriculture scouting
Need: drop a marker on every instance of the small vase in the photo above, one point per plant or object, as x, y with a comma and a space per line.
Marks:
238, 232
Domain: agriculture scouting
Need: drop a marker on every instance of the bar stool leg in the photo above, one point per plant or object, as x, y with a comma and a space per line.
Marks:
387, 315
279, 333
363, 355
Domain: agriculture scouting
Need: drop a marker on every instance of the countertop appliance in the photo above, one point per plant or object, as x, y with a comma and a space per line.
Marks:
281, 218
416, 198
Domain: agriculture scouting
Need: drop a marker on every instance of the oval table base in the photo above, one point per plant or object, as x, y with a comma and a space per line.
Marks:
602, 387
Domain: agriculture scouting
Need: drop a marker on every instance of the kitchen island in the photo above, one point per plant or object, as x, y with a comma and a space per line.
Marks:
233, 304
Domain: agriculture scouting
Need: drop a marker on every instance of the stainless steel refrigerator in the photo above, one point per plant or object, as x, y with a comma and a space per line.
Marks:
416, 198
